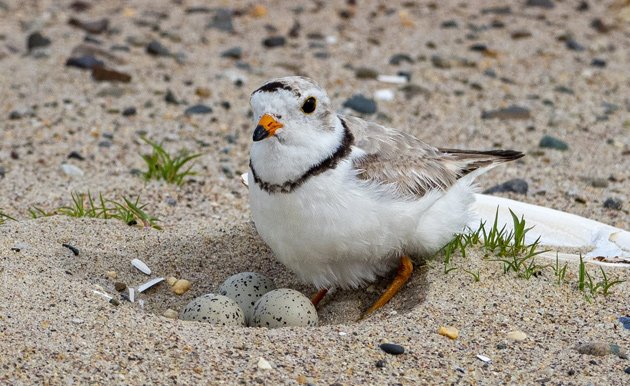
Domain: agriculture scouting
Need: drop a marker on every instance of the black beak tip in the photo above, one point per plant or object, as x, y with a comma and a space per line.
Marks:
260, 133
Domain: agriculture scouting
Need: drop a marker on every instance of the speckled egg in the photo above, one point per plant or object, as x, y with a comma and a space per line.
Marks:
245, 289
214, 309
283, 308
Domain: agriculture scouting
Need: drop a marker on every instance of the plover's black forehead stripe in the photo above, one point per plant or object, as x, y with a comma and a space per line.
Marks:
275, 86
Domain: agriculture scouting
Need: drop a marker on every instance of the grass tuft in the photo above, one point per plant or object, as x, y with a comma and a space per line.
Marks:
164, 166
586, 282
4, 217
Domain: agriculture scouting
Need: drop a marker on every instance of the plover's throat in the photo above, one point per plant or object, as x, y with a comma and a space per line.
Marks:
342, 151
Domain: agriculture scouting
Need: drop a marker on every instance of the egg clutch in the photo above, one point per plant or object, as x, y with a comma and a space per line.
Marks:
251, 299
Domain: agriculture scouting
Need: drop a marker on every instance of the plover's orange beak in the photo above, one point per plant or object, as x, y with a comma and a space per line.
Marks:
266, 127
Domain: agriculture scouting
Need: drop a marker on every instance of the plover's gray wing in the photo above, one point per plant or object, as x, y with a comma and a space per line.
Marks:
412, 166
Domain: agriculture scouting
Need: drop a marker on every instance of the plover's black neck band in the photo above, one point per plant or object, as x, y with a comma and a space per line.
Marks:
327, 164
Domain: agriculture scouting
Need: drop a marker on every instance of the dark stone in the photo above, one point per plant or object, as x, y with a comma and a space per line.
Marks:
21, 113
625, 321
37, 40
449, 24
129, 111
156, 48
321, 55
553, 143
521, 34
399, 58
583, 6
571, 372
294, 32
120, 286
222, 20
627, 370
479, 47
516, 185
548, 4
3, 172
501, 346
612, 203
198, 109
75, 155
412, 90
80, 6
274, 41
564, 90
170, 98
511, 112
93, 27
365, 73
86, 62
490, 73
392, 348
599, 26
233, 53
105, 74
381, 364
601, 63
573, 45
361, 104
497, 11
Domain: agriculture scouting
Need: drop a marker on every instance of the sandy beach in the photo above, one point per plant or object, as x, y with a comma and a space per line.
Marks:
548, 78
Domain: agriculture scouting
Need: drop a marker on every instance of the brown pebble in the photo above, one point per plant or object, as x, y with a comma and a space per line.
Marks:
181, 286
171, 281
119, 286
203, 92
599, 349
450, 332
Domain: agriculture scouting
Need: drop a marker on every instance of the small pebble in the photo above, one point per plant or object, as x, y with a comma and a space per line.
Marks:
37, 40
613, 203
381, 364
171, 280
170, 313
517, 335
198, 109
274, 41
232, 53
553, 143
170, 98
501, 346
601, 63
181, 286
365, 73
599, 182
397, 59
625, 321
263, 364
111, 275
384, 95
105, 74
93, 27
361, 104
573, 45
450, 332
86, 62
515, 185
75, 155
222, 20
203, 92
392, 348
156, 48
548, 4
129, 111
627, 370
120, 286
511, 112
596, 348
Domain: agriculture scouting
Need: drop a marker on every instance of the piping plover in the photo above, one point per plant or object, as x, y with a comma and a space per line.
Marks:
341, 200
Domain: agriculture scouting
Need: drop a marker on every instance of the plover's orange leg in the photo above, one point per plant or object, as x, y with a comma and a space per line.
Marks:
404, 273
319, 296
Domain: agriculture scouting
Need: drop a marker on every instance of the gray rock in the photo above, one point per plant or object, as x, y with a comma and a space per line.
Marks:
540, 3
198, 109
361, 104
391, 348
222, 20
232, 53
599, 182
573, 45
516, 185
21, 113
37, 40
170, 98
511, 112
449, 24
274, 41
613, 203
129, 111
412, 90
553, 143
601, 63
564, 90
156, 48
86, 62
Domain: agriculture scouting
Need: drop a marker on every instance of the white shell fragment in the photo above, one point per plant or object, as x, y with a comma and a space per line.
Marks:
218, 310
72, 170
396, 79
284, 308
141, 266
484, 358
132, 295
150, 284
263, 364
384, 94
559, 229
245, 289
244, 177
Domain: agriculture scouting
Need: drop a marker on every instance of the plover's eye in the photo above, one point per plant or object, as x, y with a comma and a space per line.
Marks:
309, 105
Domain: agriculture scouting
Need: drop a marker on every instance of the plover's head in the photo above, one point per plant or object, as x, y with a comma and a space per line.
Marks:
292, 110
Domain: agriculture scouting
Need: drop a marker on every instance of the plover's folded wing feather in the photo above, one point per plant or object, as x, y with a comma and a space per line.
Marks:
392, 157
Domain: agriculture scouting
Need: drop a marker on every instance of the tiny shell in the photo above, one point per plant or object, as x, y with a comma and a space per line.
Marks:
264, 364
141, 266
132, 294
150, 284
448, 331
181, 286
516, 335
170, 313
72, 170
392, 79
244, 180
484, 358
